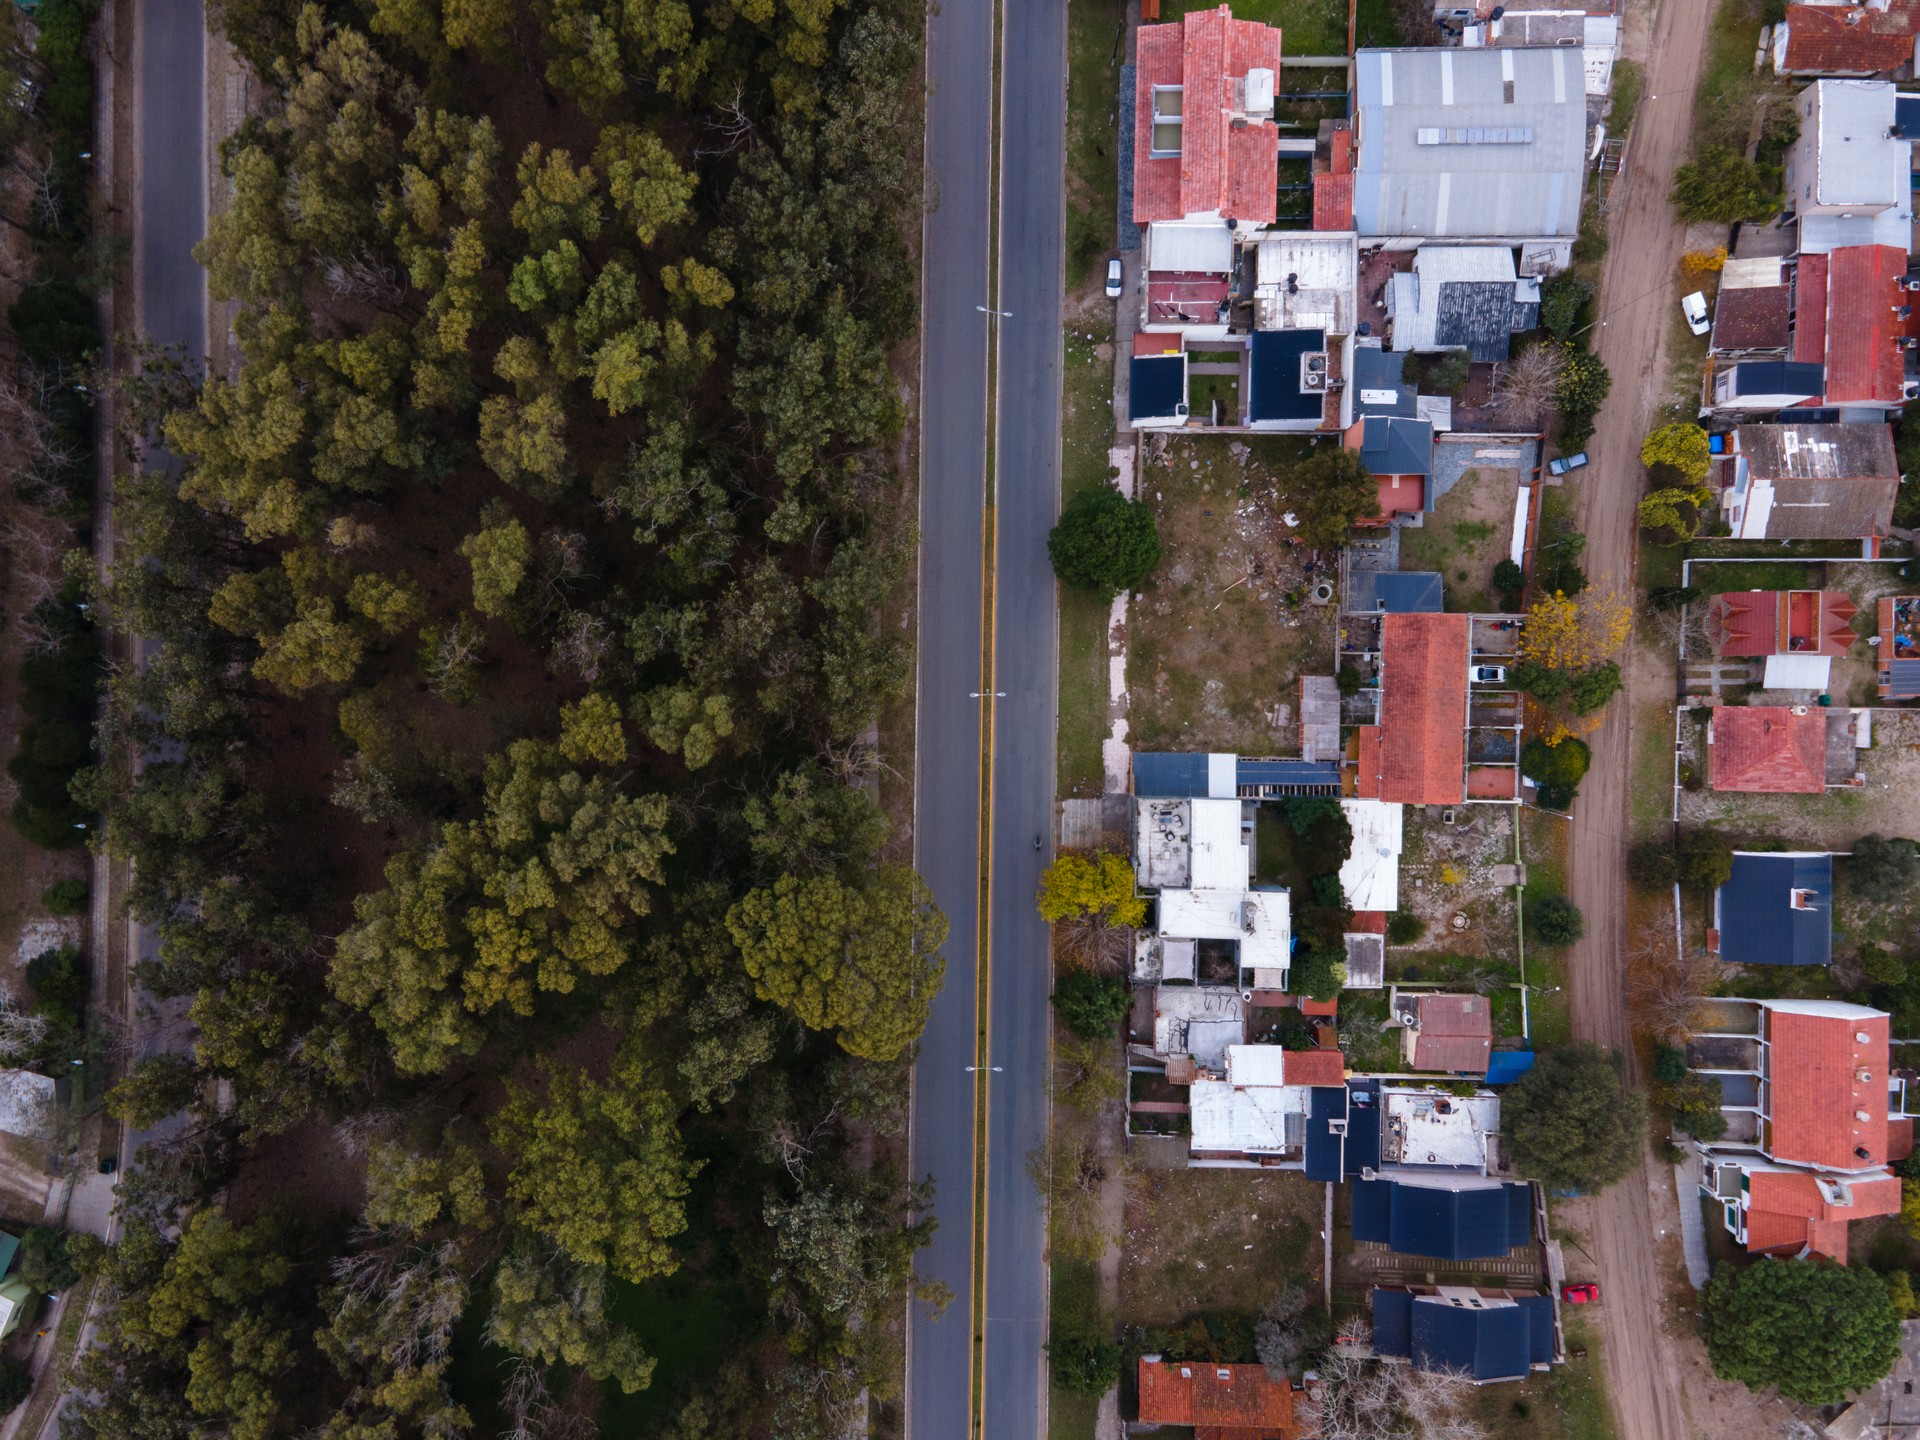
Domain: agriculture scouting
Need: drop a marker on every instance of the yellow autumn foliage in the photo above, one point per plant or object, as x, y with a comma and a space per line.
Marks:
1573, 632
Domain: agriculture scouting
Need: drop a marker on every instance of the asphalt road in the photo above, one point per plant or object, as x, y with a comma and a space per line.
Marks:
953, 451
1027, 488
170, 159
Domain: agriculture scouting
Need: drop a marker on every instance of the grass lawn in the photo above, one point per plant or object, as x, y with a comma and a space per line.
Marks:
1777, 575
1075, 1305
1567, 1403
1203, 390
1652, 768
689, 1322
1468, 533
1543, 842
1307, 27
1087, 417
1374, 25
1368, 1046
1094, 52
1723, 106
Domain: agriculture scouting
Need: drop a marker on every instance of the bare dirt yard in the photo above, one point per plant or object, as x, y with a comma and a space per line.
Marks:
1884, 805
1446, 878
1218, 641
1469, 532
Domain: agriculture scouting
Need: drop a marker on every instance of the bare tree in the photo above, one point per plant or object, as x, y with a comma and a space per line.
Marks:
1682, 628
364, 277
21, 1032
1095, 943
1361, 1398
581, 643
1667, 983
1090, 1075
731, 126
35, 168
1528, 386
1070, 1174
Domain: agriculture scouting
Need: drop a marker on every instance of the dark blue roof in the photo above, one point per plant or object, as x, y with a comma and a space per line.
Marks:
1275, 378
1539, 1312
1758, 922
1380, 372
1903, 679
1156, 386
1159, 776
1491, 1344
1442, 1224
1506, 1066
1289, 776
1393, 1322
1906, 116
1363, 1127
1330, 1154
1324, 1103
1779, 377
1395, 592
1390, 445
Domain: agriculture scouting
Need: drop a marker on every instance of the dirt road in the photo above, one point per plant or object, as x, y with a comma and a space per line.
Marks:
1647, 1385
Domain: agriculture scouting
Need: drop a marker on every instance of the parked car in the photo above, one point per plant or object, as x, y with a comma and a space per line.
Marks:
1567, 462
1585, 1293
1113, 278
1489, 674
1694, 307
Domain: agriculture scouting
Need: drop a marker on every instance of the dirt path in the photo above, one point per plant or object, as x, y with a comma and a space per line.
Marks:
1648, 1384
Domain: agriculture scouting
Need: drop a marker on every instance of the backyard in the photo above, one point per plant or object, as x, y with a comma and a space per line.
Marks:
1307, 27
1468, 533
1223, 632
1087, 410
1447, 881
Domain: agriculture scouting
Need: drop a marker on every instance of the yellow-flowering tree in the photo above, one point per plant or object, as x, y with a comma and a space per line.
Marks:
1090, 900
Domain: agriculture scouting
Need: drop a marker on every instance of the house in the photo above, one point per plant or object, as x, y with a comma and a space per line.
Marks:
1370, 877
1853, 319
1766, 385
1814, 1116
1776, 908
1752, 314
1461, 297
1444, 1218
1395, 592
1304, 280
1485, 1334
1416, 754
1848, 174
1768, 750
1453, 1033
1293, 380
1797, 632
1398, 453
1188, 282
1595, 29
1194, 852
1162, 775
1898, 654
1220, 1402
1295, 1112
1470, 144
1204, 139
1812, 482
1157, 382
1876, 38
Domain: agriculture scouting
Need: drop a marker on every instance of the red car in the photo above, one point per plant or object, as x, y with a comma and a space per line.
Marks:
1582, 1294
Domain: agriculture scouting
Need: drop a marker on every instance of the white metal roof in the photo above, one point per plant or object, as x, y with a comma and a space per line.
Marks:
1762, 272
1258, 919
1220, 859
1194, 246
1371, 876
1256, 1065
1241, 1119
1854, 122
1798, 672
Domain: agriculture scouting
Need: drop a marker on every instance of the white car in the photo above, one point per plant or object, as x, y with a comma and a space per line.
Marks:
1489, 674
1694, 307
1113, 278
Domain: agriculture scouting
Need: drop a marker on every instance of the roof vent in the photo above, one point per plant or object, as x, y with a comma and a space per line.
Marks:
1860, 1037
1186, 1372
1860, 1152
1862, 1116
1865, 1077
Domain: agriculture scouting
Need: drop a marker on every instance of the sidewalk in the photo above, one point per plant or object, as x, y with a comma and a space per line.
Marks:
1693, 1227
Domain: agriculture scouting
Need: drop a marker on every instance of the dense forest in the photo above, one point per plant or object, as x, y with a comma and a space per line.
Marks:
500, 773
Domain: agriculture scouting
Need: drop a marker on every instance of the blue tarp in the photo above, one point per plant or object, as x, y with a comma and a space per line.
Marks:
1506, 1066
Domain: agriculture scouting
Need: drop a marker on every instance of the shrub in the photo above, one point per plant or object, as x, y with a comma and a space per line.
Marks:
45, 1262
1564, 299
1723, 186
1104, 543
1084, 1363
1404, 927
1318, 974
1652, 865
1669, 1065
1351, 680
66, 897
16, 1383
1555, 920
1706, 859
1510, 580
1091, 1005
1446, 376
1881, 868
1562, 765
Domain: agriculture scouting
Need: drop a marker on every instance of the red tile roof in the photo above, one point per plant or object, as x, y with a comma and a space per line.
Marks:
1313, 1067
1782, 622
1810, 310
1310, 1006
1786, 1211
1816, 1094
1456, 1033
1220, 168
1833, 39
1332, 202
1769, 750
1366, 748
1862, 361
1423, 709
1368, 922
1242, 1401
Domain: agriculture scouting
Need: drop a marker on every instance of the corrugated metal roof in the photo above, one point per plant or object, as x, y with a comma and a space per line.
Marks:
1159, 774
1395, 592
1392, 1322
1478, 1224
1495, 1343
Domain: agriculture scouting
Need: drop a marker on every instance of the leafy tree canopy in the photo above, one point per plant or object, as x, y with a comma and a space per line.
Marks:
1817, 1331
1104, 542
1100, 884
1570, 1122
1722, 186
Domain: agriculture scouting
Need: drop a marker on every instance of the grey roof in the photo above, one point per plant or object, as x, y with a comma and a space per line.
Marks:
1449, 145
1481, 316
1390, 445
1376, 372
1758, 921
1395, 592
1834, 482
1779, 377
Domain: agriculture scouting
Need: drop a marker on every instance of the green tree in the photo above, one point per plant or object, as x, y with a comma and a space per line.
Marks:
1555, 920
1570, 1122
16, 1384
860, 960
1098, 885
1085, 1362
156, 1087
1446, 376
1564, 298
551, 1308
1584, 384
499, 554
1881, 868
1318, 974
1104, 543
1673, 509
1653, 865
1706, 859
1091, 1005
1404, 927
681, 721
1722, 186
1680, 448
1816, 1330
46, 1262
591, 732
1593, 687
1510, 580
1330, 490
599, 1167
67, 897
1556, 769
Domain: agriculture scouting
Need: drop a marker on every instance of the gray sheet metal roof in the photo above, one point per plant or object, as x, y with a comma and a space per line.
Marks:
1517, 170
1376, 372
1481, 317
1395, 592
1903, 679
1390, 445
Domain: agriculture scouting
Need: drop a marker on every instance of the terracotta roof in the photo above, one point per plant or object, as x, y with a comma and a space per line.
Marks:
1784, 622
1313, 1067
1455, 1034
1332, 202
1816, 1094
1366, 749
1219, 168
1832, 39
1862, 362
1768, 1231
1751, 319
1423, 708
1769, 750
1368, 922
1810, 310
1310, 1006
1241, 1400
1786, 1210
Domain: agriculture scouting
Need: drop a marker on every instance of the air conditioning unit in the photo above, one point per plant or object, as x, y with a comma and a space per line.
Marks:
1910, 390
1313, 371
